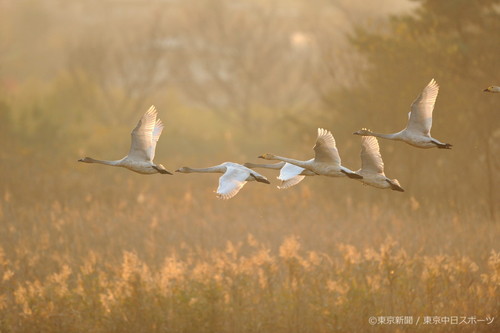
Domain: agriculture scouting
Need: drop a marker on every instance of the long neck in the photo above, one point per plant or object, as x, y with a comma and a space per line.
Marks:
302, 164
393, 136
92, 160
278, 165
215, 169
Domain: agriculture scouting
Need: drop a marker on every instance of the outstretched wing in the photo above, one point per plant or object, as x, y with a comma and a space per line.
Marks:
156, 135
325, 149
371, 159
289, 171
231, 182
142, 147
420, 119
290, 175
291, 182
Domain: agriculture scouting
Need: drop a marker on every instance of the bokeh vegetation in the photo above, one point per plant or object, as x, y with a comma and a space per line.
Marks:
96, 249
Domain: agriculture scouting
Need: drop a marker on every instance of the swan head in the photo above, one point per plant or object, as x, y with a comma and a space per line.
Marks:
493, 89
86, 160
184, 170
363, 131
267, 156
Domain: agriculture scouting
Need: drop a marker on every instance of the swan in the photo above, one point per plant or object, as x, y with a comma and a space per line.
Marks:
290, 174
234, 177
326, 161
493, 89
142, 149
372, 166
418, 131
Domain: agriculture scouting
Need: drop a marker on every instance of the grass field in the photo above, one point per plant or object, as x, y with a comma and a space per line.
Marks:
94, 249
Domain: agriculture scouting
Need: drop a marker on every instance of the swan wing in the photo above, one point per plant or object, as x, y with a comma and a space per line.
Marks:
156, 136
325, 149
231, 182
142, 147
420, 119
291, 182
371, 159
289, 171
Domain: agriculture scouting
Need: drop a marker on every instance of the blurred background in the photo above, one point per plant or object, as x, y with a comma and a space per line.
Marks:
233, 79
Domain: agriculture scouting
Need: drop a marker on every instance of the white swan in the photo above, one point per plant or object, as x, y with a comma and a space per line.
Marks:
493, 89
290, 174
142, 150
234, 177
372, 166
418, 131
326, 161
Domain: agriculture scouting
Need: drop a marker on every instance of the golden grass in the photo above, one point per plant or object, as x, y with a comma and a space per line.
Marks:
88, 249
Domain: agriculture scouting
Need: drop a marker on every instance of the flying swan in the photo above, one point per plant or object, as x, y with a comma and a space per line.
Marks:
493, 89
418, 131
372, 166
326, 161
234, 177
142, 149
290, 174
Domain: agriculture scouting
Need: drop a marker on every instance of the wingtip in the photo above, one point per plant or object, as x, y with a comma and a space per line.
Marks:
434, 83
152, 111
322, 131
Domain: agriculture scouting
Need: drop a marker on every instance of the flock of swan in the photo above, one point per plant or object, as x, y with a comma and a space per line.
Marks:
326, 161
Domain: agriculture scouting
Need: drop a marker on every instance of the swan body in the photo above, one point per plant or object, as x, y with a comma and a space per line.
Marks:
372, 166
290, 174
326, 161
142, 149
418, 130
234, 177
492, 89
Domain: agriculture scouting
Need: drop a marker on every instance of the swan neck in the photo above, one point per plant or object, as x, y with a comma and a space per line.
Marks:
384, 136
93, 160
268, 166
203, 170
302, 164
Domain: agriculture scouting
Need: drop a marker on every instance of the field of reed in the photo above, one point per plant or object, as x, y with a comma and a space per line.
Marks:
86, 249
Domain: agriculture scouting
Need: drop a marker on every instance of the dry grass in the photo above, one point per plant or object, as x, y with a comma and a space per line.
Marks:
83, 251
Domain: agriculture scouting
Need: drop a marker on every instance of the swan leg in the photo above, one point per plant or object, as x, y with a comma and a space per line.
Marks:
445, 146
261, 180
162, 171
442, 145
394, 186
352, 175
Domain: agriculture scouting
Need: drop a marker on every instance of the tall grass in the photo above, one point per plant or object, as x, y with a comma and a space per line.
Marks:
87, 249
